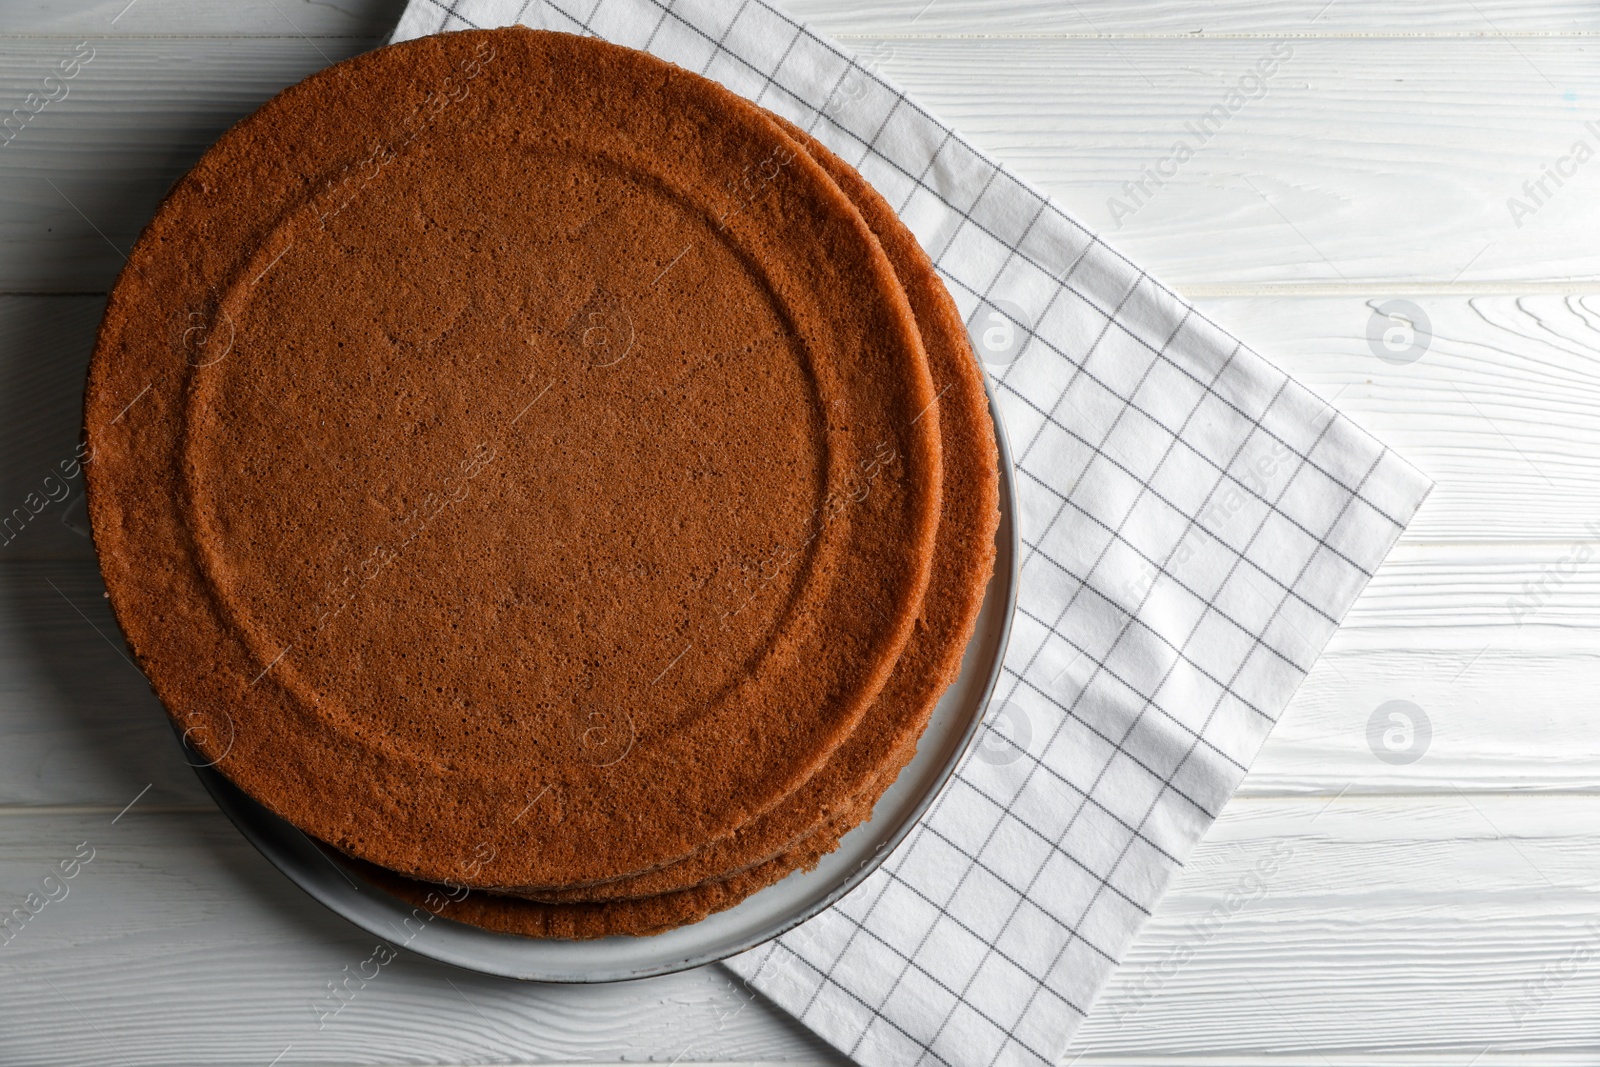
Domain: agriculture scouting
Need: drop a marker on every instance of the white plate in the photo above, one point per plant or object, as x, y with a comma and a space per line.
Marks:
757, 919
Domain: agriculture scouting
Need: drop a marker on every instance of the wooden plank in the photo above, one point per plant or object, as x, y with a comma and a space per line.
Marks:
1498, 410
878, 17
179, 944
1298, 929
78, 722
1318, 180
45, 344
1505, 684
1499, 719
176, 18
1382, 926
1484, 617
145, 107
1417, 930
1321, 181
1167, 18
1461, 599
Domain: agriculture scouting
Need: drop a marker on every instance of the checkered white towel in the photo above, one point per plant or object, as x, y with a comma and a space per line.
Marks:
1194, 524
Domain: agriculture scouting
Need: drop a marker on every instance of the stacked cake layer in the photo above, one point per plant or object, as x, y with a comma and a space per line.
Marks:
543, 476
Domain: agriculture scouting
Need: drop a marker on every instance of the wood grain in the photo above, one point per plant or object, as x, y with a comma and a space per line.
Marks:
179, 944
1317, 181
1497, 411
1511, 705
845, 18
1320, 181
1327, 928
1484, 616
1447, 925
1438, 912
197, 18
80, 180
1179, 18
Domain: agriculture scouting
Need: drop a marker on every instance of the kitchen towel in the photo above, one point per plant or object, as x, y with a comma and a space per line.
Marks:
1194, 524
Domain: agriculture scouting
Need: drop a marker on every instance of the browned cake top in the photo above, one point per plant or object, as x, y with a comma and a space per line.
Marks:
516, 456
808, 823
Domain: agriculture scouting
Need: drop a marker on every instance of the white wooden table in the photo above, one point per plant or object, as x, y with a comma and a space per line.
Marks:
1345, 909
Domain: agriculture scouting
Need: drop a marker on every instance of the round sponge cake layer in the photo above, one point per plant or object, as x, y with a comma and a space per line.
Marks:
515, 457
809, 823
